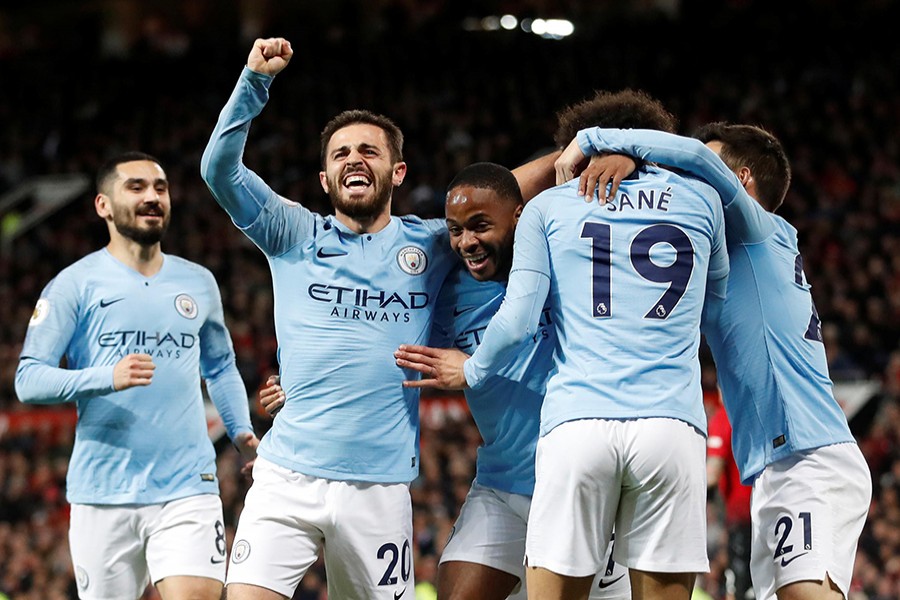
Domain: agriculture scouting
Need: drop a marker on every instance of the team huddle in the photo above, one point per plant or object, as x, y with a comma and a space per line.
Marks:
567, 298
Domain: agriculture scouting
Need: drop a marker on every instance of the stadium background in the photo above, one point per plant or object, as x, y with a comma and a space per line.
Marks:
80, 81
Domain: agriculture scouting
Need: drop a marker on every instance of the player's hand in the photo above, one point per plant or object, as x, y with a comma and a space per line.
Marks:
442, 367
269, 56
569, 163
271, 397
133, 370
246, 444
604, 173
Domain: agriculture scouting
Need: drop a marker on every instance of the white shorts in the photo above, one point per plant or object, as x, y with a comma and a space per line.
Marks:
365, 529
808, 512
118, 550
490, 531
645, 478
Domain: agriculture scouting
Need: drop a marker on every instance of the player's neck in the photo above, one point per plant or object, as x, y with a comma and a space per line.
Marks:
360, 226
146, 260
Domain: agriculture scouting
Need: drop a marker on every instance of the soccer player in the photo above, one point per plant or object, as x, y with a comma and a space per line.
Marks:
335, 467
138, 329
811, 484
483, 560
622, 424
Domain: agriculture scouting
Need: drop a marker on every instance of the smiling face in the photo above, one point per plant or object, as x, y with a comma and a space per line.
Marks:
359, 174
482, 226
135, 203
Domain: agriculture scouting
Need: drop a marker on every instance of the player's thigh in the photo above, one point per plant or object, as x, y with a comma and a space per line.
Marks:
178, 587
577, 470
484, 556
279, 532
107, 552
186, 538
661, 520
368, 547
808, 512
461, 580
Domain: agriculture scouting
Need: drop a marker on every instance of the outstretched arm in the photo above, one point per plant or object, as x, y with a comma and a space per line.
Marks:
745, 220
240, 191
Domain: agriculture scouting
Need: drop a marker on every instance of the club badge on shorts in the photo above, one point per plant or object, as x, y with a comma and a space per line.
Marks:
412, 260
240, 552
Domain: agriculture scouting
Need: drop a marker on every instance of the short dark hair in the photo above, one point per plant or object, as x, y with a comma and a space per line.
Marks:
625, 109
351, 117
753, 147
107, 171
489, 176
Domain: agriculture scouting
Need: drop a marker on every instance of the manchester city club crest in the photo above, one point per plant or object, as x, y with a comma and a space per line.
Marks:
240, 552
412, 260
186, 306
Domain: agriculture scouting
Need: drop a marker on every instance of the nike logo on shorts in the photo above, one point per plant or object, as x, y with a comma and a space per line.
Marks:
459, 311
605, 584
397, 596
785, 563
215, 560
105, 303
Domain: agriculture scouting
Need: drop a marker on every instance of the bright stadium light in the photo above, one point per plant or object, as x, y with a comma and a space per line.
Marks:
559, 27
526, 25
508, 22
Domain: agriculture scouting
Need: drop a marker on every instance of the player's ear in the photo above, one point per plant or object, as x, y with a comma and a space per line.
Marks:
323, 179
102, 206
745, 175
399, 174
517, 214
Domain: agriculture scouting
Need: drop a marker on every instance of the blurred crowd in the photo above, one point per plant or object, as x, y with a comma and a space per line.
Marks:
86, 84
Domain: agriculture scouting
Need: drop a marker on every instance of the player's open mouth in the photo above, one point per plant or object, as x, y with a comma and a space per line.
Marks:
476, 262
356, 181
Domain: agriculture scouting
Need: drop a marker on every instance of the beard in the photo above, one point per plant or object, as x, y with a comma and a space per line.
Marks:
362, 209
146, 236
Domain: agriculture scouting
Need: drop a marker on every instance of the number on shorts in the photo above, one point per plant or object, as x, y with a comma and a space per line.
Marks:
403, 555
220, 538
677, 274
788, 524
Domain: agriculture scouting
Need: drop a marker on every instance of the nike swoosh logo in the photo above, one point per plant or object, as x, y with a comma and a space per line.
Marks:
322, 254
213, 560
105, 303
785, 563
605, 584
459, 311
397, 596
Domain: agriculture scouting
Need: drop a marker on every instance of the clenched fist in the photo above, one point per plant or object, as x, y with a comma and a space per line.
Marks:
269, 56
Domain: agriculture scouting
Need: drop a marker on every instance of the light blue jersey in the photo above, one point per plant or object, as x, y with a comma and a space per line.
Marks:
626, 285
765, 335
146, 444
344, 302
507, 407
